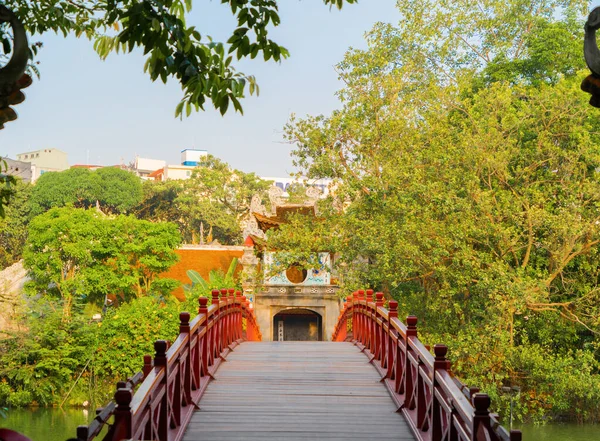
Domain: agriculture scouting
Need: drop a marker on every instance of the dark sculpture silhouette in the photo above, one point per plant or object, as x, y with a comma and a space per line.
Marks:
12, 76
591, 84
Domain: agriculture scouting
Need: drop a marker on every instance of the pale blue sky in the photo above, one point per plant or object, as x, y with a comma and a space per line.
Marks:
112, 110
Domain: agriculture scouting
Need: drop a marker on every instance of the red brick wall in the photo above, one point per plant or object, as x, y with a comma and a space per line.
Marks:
203, 261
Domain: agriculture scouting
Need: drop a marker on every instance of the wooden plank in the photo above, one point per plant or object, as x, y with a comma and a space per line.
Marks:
297, 391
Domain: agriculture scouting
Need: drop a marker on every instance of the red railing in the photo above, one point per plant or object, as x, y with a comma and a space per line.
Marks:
176, 378
436, 405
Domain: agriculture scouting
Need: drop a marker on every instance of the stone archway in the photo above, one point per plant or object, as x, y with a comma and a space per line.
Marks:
297, 324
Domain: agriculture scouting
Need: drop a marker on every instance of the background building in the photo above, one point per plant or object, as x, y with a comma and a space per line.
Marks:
192, 156
19, 169
145, 166
43, 161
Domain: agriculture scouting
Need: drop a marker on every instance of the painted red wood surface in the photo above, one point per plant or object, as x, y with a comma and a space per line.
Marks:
173, 382
436, 405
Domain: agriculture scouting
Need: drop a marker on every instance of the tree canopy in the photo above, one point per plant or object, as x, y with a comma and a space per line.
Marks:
211, 205
173, 49
80, 255
115, 190
466, 162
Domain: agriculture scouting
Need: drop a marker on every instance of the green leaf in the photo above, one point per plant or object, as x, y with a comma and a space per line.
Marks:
196, 278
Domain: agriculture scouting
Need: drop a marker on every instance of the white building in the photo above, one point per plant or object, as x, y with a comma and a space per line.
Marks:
145, 166
192, 156
172, 172
322, 184
43, 161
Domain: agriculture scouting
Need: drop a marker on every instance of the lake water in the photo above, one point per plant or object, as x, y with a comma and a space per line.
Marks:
59, 425
46, 424
561, 432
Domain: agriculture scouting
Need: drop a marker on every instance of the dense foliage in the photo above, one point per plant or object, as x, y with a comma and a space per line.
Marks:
173, 49
113, 190
74, 254
211, 205
468, 188
13, 226
54, 361
84, 258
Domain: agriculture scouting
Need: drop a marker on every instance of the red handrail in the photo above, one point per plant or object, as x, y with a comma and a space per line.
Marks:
421, 384
176, 378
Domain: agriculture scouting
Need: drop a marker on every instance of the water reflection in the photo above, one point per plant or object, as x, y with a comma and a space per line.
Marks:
561, 432
59, 425
46, 424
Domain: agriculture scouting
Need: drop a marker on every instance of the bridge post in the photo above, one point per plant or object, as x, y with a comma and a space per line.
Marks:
371, 321
186, 381
160, 360
123, 425
238, 324
409, 386
393, 350
201, 368
148, 365
440, 363
214, 341
379, 331
481, 419
223, 320
231, 316
360, 317
249, 330
349, 316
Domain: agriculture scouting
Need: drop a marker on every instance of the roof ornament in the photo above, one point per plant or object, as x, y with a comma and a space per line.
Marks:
591, 84
250, 228
276, 197
312, 193
12, 76
256, 205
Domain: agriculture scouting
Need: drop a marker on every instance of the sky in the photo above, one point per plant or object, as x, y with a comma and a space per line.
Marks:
107, 112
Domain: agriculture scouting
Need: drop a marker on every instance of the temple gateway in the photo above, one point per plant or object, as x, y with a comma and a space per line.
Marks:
295, 304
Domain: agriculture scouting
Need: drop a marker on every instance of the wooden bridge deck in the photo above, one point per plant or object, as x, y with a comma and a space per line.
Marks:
297, 391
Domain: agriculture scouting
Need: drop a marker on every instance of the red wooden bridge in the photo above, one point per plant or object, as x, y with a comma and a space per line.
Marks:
217, 381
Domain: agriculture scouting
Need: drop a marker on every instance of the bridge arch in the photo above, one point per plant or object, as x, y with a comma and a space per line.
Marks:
296, 323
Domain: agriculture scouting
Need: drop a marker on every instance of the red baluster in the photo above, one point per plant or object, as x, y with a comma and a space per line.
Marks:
123, 419
186, 382
238, 325
393, 350
411, 331
379, 330
160, 361
203, 342
481, 419
216, 334
147, 365
231, 316
371, 323
361, 317
440, 363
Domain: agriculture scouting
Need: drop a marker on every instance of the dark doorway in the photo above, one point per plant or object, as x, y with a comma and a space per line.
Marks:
297, 325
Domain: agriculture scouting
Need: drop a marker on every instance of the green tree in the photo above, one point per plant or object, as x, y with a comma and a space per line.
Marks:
219, 197
7, 183
13, 227
58, 189
159, 201
210, 205
61, 256
173, 49
466, 165
115, 190
139, 252
81, 255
